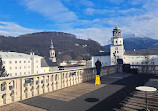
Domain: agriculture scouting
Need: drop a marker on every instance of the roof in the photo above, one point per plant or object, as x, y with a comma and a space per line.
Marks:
103, 54
142, 52
46, 62
16, 55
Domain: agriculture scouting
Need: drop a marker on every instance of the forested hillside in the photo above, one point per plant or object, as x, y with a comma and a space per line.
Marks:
67, 46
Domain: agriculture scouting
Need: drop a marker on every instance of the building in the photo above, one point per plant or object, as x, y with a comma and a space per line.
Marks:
104, 57
21, 64
117, 52
49, 64
52, 53
17, 64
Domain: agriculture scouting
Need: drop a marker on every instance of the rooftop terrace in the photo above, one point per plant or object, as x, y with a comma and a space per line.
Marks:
116, 93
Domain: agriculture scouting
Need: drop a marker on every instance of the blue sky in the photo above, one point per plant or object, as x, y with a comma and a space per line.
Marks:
87, 19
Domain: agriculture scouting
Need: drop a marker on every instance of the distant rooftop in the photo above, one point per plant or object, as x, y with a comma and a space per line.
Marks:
15, 55
103, 54
142, 52
46, 62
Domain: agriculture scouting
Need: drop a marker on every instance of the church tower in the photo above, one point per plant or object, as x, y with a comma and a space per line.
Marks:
117, 48
52, 52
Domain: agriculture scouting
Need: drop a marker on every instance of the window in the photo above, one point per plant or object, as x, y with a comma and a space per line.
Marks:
15, 62
117, 51
28, 61
37, 72
15, 67
24, 73
10, 68
15, 74
10, 62
24, 67
20, 67
20, 73
19, 61
36, 61
116, 41
10, 74
29, 72
24, 61
37, 66
28, 66
3, 62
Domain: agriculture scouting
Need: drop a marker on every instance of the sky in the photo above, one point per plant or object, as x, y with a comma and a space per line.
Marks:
87, 19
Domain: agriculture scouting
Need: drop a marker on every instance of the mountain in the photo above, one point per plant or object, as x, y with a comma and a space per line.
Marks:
67, 46
138, 43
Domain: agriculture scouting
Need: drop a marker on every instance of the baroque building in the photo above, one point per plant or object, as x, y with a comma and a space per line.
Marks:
117, 53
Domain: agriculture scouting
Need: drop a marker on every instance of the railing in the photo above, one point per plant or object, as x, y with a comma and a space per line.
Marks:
146, 69
18, 88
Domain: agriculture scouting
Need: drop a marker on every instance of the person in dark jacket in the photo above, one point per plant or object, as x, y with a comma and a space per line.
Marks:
98, 67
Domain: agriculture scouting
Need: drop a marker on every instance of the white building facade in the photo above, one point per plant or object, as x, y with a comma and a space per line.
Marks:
20, 64
105, 60
17, 64
139, 57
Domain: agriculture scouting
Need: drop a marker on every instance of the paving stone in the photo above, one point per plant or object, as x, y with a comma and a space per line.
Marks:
17, 106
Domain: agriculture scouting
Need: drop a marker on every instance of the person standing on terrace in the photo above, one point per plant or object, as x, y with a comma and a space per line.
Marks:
98, 67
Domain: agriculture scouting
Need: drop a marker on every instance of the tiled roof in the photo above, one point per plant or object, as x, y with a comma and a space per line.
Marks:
46, 62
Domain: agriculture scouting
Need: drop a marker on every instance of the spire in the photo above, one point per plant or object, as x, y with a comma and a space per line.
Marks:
51, 46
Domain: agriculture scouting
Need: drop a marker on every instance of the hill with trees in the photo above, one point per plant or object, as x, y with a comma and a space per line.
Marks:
67, 46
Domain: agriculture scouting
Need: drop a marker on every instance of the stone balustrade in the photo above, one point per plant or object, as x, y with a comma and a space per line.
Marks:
146, 69
18, 88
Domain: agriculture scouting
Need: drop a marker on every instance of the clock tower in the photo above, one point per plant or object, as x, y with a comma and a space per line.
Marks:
117, 47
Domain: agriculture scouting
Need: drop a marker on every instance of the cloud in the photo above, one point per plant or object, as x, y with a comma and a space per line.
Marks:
92, 11
116, 1
53, 9
13, 29
114, 12
102, 35
139, 20
86, 3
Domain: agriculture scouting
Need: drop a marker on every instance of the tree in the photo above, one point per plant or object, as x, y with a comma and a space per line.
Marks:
2, 69
148, 62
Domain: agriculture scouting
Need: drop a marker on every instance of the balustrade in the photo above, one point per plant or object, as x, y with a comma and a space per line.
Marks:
19, 88
146, 69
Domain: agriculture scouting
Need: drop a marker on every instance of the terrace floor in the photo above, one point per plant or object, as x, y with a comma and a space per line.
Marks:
116, 93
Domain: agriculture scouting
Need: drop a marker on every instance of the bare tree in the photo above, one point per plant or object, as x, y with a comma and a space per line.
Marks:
148, 62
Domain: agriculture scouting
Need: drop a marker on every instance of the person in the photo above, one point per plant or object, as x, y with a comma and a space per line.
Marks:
98, 67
